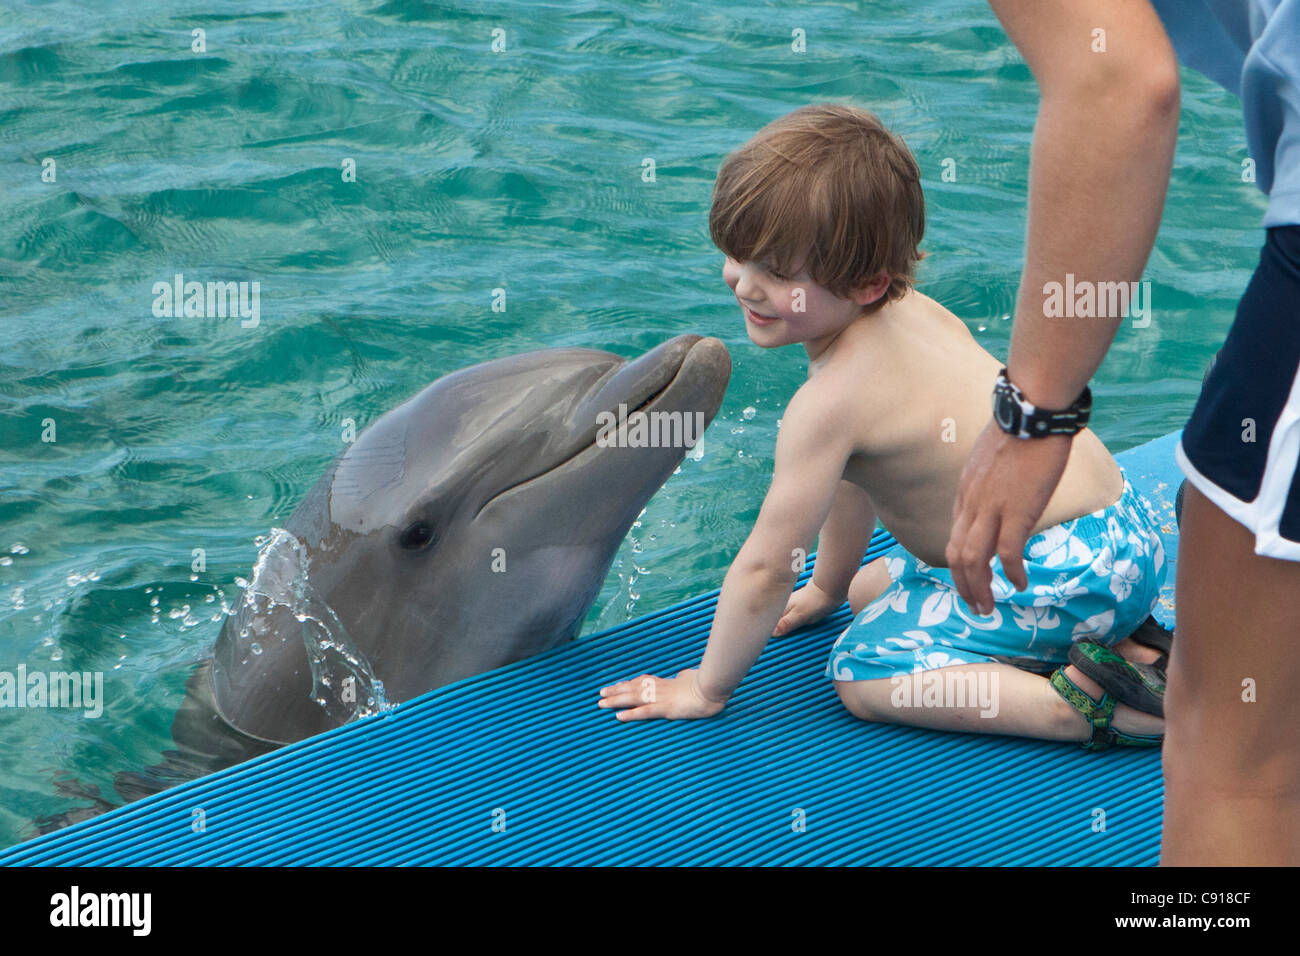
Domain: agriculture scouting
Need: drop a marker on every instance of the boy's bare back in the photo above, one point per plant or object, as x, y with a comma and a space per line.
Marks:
911, 386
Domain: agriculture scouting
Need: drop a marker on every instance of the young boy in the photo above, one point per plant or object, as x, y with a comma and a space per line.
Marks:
820, 215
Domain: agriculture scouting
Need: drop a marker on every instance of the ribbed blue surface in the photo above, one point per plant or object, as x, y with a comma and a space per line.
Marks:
424, 783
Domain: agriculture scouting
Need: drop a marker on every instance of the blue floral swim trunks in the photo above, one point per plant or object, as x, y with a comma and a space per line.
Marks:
1094, 578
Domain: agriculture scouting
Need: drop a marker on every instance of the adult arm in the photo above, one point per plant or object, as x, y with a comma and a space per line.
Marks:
1099, 169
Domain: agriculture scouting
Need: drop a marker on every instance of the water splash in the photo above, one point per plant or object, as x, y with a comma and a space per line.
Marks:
343, 682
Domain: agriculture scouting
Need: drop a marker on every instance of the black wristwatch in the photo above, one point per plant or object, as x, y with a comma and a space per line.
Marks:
1023, 419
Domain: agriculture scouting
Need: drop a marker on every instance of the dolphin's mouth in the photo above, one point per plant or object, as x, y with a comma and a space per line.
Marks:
647, 401
637, 386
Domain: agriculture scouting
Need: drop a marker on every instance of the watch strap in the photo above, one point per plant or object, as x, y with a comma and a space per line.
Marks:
1021, 418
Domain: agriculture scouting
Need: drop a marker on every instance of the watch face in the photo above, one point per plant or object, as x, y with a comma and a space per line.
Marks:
1006, 409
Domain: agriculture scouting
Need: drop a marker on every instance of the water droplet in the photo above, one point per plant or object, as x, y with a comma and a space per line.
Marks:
749, 412
18, 549
255, 647
6, 560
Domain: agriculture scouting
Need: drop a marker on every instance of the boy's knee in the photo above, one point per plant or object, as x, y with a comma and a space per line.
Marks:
862, 700
871, 581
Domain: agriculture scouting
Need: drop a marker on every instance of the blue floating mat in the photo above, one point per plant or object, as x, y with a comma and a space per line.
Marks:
519, 767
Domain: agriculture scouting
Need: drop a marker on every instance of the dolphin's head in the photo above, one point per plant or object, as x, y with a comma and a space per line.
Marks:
469, 527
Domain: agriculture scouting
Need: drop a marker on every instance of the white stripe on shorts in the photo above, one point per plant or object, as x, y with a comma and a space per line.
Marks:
1263, 515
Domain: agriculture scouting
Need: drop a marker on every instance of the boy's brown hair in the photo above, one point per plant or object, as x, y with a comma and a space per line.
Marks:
827, 188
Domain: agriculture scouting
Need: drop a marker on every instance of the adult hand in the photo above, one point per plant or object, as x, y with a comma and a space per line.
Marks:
1004, 490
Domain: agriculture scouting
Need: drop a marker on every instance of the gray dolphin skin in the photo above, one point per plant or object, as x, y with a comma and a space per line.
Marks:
468, 528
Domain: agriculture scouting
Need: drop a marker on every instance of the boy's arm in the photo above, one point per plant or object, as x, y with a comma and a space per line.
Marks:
843, 540
811, 452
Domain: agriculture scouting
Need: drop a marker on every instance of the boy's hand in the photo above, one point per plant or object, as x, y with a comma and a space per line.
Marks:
648, 696
806, 605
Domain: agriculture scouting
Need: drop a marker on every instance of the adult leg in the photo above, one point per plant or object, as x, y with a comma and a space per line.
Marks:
1232, 708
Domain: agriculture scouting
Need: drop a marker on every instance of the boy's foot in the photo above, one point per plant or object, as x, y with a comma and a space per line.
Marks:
1112, 723
1132, 651
1140, 686
1149, 644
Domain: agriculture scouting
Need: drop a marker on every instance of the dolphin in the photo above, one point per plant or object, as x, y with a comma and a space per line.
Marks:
470, 527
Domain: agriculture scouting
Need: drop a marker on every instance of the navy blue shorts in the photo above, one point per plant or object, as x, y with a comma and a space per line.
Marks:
1241, 446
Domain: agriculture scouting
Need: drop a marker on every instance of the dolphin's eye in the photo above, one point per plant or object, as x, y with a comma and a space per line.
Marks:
417, 535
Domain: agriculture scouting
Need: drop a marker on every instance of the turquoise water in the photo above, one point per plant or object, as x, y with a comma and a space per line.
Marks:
476, 170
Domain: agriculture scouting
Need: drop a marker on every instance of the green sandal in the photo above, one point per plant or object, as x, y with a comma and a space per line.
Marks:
1152, 633
1099, 713
1141, 686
